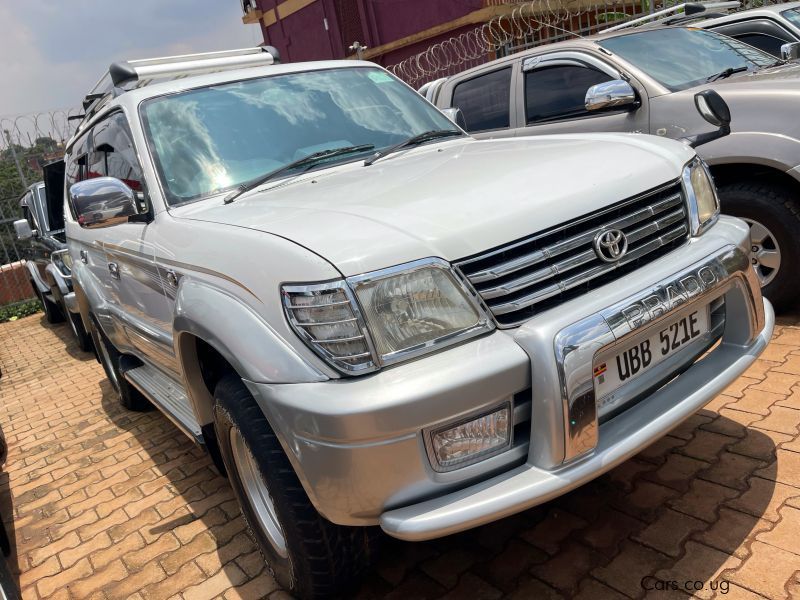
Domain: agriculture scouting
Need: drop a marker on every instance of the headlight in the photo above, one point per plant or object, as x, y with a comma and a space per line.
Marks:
384, 317
703, 201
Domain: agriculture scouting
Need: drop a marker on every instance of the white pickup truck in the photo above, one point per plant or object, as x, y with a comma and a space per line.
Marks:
370, 318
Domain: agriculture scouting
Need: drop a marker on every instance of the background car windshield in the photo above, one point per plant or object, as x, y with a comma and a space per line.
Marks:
212, 139
682, 58
792, 15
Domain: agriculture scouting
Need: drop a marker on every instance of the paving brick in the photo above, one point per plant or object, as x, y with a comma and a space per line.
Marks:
776, 382
731, 422
504, 570
731, 531
732, 470
566, 569
187, 576
255, 589
737, 388
111, 574
756, 401
47, 585
625, 572
785, 468
703, 500
766, 571
139, 558
549, 534
786, 533
706, 445
763, 498
668, 533
700, 563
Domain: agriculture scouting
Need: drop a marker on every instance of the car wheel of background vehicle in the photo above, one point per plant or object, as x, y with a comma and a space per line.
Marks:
774, 219
109, 357
79, 331
52, 311
307, 554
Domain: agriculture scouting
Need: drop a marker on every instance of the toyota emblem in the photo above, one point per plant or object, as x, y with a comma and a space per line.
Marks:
610, 245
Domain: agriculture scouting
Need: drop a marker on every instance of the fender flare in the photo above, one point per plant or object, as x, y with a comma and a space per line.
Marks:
36, 278
239, 334
776, 151
60, 280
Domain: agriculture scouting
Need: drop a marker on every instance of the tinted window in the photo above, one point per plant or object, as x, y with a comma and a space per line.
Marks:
663, 55
114, 154
484, 100
792, 15
560, 91
27, 211
764, 42
76, 161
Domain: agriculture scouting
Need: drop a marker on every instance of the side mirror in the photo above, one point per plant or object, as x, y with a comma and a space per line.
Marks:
610, 94
790, 51
715, 110
102, 201
23, 230
456, 116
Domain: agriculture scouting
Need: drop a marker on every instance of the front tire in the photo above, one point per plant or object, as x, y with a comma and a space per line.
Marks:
774, 218
307, 554
109, 357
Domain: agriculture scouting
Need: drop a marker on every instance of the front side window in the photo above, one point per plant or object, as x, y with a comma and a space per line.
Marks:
212, 139
681, 58
28, 212
40, 191
114, 154
559, 92
484, 100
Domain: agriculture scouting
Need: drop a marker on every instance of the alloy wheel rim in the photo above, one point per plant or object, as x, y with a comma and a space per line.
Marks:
257, 493
765, 253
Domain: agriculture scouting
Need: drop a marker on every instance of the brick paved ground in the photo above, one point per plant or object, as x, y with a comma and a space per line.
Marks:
112, 504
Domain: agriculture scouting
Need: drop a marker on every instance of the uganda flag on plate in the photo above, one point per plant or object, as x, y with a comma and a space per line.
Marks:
598, 373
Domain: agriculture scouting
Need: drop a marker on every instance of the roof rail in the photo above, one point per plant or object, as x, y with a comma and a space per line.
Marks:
688, 8
188, 64
121, 75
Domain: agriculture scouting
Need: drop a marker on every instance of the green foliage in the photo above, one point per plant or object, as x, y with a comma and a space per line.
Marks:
17, 311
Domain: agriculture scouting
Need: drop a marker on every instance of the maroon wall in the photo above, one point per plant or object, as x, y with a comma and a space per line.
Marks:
302, 35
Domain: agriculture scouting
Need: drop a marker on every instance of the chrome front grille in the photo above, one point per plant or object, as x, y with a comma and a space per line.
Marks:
524, 277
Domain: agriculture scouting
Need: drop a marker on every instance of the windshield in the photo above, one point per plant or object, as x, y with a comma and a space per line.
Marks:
792, 15
680, 58
212, 139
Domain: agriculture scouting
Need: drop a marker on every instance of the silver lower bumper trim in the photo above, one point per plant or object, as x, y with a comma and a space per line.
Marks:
622, 437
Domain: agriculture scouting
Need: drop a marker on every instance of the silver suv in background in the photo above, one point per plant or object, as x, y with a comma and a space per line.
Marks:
769, 28
645, 80
308, 268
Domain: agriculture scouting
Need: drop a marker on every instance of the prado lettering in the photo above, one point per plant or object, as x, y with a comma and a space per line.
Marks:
668, 297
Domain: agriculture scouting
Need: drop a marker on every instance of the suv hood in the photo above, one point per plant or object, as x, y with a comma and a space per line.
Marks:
451, 199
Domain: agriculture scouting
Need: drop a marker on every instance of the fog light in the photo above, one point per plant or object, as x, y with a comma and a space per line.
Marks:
471, 441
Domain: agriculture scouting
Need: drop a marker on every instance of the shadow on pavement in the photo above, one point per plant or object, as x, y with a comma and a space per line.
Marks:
674, 513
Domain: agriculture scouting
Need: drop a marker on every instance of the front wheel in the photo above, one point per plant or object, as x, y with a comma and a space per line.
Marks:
774, 219
307, 554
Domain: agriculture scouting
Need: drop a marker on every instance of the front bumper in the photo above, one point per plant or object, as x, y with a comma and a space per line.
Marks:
358, 447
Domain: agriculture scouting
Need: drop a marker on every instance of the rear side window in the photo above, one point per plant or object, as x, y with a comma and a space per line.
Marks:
76, 161
764, 34
559, 92
484, 100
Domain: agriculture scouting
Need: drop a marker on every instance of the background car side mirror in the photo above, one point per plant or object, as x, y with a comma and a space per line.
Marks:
23, 230
610, 94
790, 51
456, 116
715, 110
102, 201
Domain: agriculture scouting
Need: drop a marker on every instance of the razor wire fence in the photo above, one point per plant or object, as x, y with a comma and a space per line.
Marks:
27, 143
527, 24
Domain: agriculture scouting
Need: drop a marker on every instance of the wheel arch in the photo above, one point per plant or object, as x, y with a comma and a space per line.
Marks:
727, 173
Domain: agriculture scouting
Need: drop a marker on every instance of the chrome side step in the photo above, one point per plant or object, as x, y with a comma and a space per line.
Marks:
168, 396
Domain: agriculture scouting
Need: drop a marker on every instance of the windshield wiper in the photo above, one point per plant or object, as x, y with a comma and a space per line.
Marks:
309, 160
415, 139
726, 73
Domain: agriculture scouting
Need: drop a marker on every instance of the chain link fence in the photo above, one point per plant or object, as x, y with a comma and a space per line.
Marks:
528, 24
27, 143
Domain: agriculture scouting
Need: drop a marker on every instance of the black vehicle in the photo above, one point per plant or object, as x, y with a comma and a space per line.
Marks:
45, 250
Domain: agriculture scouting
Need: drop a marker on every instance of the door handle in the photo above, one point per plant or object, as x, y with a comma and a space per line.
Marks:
85, 257
113, 268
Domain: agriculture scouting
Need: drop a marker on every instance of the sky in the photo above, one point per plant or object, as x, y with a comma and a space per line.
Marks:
53, 51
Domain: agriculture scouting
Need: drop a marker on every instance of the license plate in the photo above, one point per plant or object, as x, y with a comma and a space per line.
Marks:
620, 368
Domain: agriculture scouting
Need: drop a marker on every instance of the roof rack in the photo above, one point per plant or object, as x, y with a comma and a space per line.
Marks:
125, 75
689, 9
